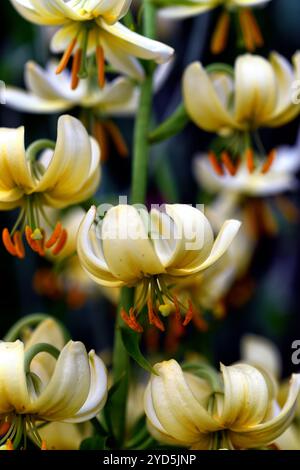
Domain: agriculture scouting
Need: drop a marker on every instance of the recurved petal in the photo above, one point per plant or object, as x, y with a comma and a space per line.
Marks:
98, 391
246, 397
249, 3
91, 258
136, 45
193, 237
262, 353
27, 9
126, 246
110, 10
70, 164
68, 387
202, 101
185, 11
56, 11
13, 388
27, 102
266, 433
255, 90
14, 170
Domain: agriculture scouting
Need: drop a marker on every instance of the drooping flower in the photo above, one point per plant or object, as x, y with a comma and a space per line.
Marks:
92, 28
151, 252
235, 104
42, 384
251, 34
50, 93
236, 410
66, 173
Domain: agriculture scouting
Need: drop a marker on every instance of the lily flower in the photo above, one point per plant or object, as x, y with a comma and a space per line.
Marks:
50, 93
66, 173
151, 252
235, 104
251, 34
92, 28
233, 410
67, 385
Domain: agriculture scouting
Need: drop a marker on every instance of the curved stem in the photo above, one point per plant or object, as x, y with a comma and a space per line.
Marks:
37, 147
37, 349
32, 320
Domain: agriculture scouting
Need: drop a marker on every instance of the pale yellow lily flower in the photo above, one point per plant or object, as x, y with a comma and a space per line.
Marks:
33, 390
66, 173
236, 412
92, 27
151, 252
250, 30
258, 95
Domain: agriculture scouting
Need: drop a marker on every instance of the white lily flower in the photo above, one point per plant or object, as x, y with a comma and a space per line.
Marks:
186, 410
250, 30
280, 177
49, 92
75, 390
67, 172
93, 28
150, 251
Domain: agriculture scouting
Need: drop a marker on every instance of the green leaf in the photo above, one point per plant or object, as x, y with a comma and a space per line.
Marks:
112, 408
131, 341
94, 443
171, 126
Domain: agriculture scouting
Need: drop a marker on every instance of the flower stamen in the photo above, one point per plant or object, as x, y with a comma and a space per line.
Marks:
131, 320
153, 318
269, 162
55, 235
220, 35
61, 243
215, 164
250, 160
228, 163
75, 69
7, 242
66, 57
100, 65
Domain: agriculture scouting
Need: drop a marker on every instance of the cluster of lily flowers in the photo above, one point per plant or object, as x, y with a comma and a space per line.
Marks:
48, 383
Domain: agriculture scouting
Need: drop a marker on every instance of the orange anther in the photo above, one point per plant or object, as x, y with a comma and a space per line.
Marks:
246, 28
215, 164
220, 35
19, 246
255, 30
55, 236
44, 445
177, 309
9, 445
75, 69
7, 242
269, 162
100, 65
225, 157
199, 322
249, 155
61, 242
117, 138
189, 314
66, 57
131, 321
101, 136
4, 428
153, 318
31, 242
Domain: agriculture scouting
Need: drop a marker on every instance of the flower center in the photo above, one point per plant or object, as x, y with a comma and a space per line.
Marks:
32, 219
82, 63
157, 296
17, 428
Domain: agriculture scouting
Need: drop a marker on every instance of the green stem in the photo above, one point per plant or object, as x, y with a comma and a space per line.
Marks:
142, 124
121, 362
37, 349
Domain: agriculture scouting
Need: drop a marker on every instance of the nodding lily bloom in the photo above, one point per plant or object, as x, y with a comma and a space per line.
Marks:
67, 385
151, 252
235, 104
50, 93
91, 28
250, 31
65, 173
233, 410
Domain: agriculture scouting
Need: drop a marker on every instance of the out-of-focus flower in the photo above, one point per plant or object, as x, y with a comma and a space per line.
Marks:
237, 103
248, 192
233, 411
66, 173
66, 279
49, 93
251, 34
92, 28
262, 353
41, 383
152, 252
